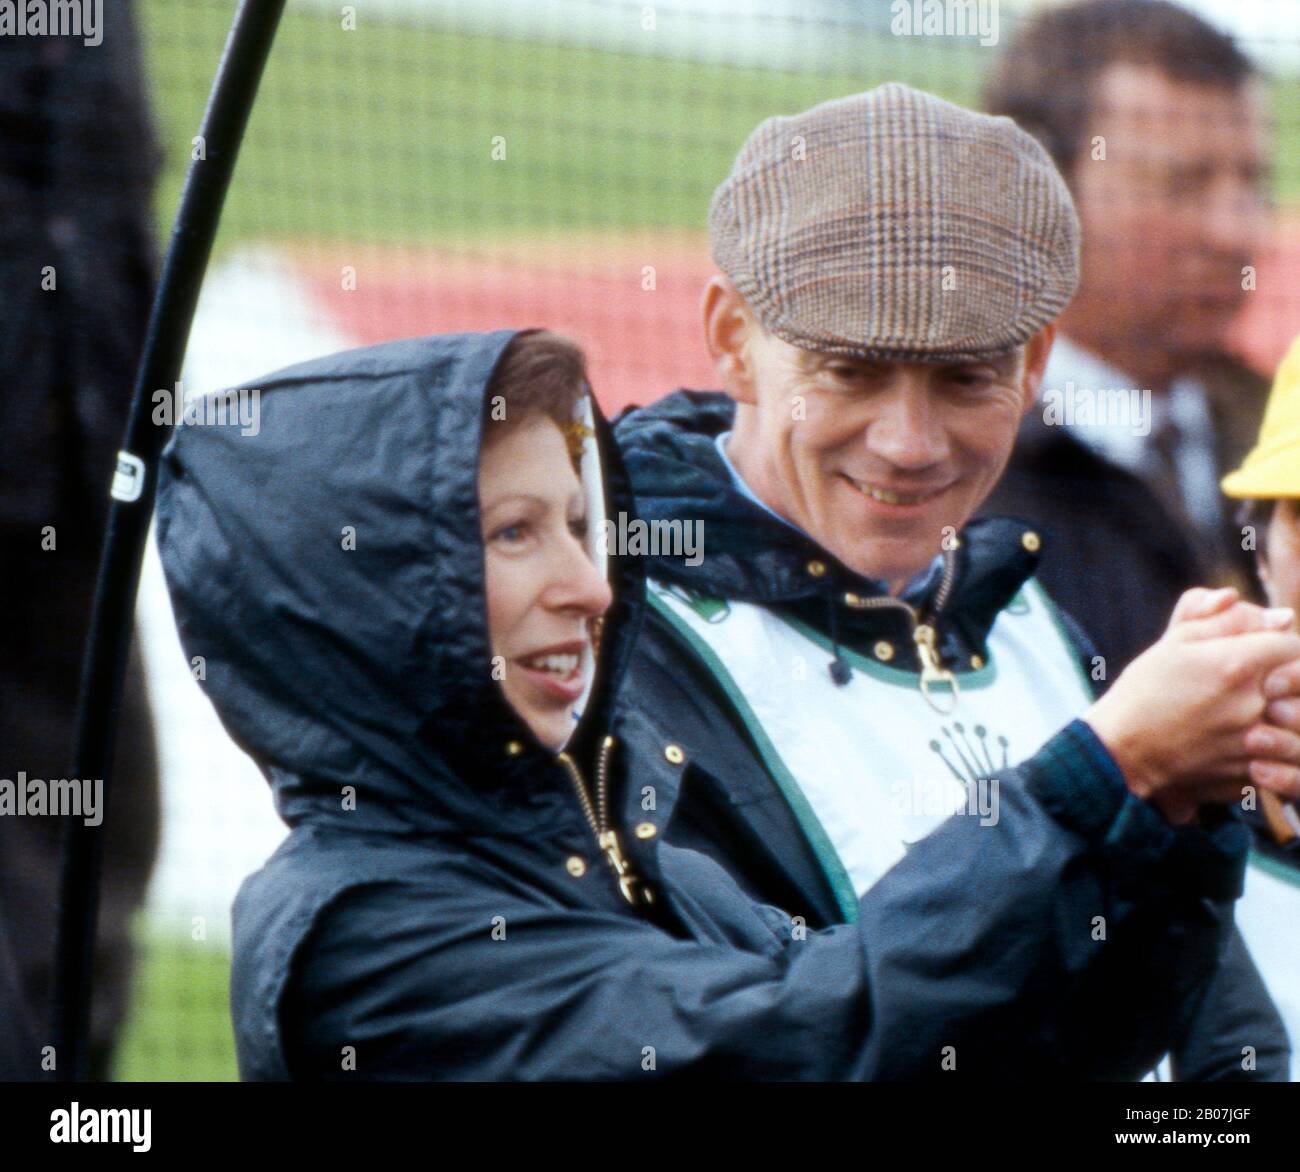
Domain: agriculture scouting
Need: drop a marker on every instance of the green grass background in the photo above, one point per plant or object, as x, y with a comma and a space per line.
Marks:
384, 134
179, 1029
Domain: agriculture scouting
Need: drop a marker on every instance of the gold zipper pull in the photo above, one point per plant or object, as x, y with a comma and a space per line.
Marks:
628, 881
932, 670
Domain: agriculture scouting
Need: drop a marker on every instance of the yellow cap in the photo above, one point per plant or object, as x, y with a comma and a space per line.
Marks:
1272, 468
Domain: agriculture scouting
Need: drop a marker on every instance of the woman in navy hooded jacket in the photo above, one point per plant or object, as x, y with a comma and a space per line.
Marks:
407, 619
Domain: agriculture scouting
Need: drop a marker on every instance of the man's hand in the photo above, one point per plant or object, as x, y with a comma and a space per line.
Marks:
1188, 720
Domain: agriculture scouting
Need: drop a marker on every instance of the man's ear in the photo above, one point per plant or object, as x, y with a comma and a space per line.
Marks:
1037, 350
728, 330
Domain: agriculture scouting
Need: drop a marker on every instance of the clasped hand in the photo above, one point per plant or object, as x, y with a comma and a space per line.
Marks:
1210, 708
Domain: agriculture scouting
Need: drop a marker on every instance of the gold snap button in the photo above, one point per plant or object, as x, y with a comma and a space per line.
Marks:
1030, 541
674, 754
646, 830
850, 600
816, 569
576, 866
884, 651
514, 748
977, 661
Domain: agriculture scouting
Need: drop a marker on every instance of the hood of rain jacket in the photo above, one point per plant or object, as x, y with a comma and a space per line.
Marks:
358, 496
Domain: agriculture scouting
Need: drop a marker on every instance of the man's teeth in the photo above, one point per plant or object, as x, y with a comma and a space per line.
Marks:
560, 665
890, 498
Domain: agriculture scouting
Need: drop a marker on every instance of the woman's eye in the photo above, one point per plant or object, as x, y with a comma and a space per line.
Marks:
578, 527
511, 534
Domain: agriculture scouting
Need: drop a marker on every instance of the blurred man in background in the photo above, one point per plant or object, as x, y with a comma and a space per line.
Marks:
1158, 122
78, 161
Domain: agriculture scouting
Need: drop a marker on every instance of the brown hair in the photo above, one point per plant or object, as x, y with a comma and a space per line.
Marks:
1256, 513
1045, 78
539, 373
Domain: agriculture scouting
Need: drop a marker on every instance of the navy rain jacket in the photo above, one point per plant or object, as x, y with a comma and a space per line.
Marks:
441, 907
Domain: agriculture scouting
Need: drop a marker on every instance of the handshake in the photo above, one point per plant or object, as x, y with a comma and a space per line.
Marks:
1209, 709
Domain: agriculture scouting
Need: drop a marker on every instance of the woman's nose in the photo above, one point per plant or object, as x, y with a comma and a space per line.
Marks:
578, 584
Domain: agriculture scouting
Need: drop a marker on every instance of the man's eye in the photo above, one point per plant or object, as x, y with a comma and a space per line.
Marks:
1190, 180
578, 527
972, 379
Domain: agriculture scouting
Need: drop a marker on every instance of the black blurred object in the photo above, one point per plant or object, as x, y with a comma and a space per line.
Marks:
1115, 556
78, 161
105, 666
19, 1053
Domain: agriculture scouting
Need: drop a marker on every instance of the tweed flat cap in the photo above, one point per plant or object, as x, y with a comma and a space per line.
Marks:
892, 224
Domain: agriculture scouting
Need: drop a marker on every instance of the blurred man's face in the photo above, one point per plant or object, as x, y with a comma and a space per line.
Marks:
873, 460
1173, 212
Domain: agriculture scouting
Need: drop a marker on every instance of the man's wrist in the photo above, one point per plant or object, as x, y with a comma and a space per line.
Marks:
1139, 779
1076, 778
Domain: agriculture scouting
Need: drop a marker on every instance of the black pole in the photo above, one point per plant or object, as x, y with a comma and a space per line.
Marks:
233, 92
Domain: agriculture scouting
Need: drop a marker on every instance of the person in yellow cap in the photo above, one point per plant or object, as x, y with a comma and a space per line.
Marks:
1268, 481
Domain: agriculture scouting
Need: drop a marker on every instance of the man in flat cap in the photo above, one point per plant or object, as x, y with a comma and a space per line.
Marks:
850, 663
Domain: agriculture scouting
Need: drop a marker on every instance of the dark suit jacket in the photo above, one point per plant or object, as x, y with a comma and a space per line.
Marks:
1114, 557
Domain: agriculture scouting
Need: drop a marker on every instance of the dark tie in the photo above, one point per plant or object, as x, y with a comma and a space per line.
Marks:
1162, 448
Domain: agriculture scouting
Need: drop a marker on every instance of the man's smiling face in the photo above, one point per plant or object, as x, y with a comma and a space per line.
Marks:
875, 459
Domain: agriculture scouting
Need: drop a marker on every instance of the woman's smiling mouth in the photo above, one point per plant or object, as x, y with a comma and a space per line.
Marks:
555, 671
560, 666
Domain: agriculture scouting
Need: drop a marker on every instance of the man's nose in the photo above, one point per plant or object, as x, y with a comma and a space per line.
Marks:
1232, 216
908, 431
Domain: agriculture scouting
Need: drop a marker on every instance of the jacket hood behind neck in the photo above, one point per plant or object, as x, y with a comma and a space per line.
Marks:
329, 571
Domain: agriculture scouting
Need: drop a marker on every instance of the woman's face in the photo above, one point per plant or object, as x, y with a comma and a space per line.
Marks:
1280, 565
542, 588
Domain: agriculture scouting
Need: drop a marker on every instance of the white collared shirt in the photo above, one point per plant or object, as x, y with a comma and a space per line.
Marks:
1120, 442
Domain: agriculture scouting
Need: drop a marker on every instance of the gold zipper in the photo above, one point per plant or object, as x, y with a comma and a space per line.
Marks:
932, 669
597, 815
925, 635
